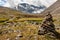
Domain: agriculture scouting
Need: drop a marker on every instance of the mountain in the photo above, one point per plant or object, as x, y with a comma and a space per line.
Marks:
53, 9
8, 12
29, 8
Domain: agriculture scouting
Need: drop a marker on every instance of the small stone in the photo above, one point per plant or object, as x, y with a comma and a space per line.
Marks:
8, 39
19, 35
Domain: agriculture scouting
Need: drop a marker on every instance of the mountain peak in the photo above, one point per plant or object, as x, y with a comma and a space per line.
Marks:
29, 6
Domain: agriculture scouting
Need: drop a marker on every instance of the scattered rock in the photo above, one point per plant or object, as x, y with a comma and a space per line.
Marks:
48, 27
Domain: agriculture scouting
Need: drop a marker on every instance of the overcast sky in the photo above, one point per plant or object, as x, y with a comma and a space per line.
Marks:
9, 3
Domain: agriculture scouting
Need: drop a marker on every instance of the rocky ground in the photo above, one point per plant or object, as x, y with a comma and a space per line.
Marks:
24, 30
15, 25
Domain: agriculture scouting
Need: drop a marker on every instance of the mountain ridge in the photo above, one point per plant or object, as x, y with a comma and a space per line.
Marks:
50, 9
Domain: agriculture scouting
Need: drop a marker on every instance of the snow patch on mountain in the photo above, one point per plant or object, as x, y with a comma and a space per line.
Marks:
30, 6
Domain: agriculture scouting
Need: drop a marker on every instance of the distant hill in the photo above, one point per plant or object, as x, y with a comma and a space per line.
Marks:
8, 12
53, 9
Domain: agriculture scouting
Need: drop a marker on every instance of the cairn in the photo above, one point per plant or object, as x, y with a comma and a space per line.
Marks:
47, 26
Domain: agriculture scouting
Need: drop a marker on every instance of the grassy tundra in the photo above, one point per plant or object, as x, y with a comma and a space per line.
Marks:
18, 26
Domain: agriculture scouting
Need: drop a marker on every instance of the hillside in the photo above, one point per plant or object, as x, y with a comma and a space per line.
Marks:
53, 9
16, 25
15, 12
